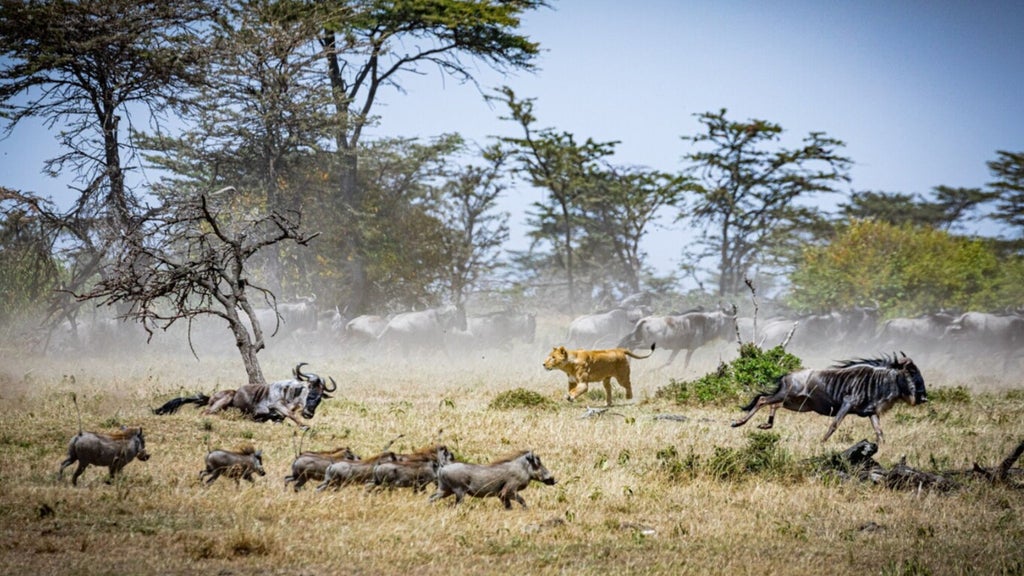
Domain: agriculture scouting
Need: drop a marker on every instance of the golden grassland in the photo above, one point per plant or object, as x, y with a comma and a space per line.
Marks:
616, 508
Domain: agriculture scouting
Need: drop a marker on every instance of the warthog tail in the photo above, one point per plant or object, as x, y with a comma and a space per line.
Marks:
172, 405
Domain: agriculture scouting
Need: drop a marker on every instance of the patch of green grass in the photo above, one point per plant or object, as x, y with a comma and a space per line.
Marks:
520, 398
950, 394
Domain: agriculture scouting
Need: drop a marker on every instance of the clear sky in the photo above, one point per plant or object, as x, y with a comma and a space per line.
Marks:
923, 93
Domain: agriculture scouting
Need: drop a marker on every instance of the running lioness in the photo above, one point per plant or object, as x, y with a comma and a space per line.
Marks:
585, 366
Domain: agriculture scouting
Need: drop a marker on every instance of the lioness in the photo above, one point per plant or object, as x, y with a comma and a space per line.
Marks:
584, 366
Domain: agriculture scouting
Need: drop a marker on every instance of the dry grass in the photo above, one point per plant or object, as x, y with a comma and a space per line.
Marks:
616, 507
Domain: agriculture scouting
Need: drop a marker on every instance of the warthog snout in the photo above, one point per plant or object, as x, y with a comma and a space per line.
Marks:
143, 455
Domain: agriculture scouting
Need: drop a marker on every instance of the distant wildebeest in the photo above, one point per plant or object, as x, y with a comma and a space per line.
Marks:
496, 330
923, 333
585, 366
603, 329
365, 328
313, 465
290, 318
240, 465
687, 332
423, 330
504, 479
992, 333
415, 470
113, 450
865, 387
263, 402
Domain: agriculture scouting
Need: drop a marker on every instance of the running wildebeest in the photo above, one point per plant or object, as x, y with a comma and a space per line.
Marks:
111, 450
424, 330
503, 478
238, 465
262, 402
865, 387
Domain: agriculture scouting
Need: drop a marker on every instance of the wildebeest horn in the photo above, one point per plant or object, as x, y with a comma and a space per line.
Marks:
334, 385
298, 372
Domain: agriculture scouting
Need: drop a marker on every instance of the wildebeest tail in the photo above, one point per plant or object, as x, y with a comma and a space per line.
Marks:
753, 401
172, 406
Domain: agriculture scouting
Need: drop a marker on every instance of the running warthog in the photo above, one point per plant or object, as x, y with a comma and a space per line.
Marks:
238, 465
313, 465
345, 472
503, 478
414, 470
113, 451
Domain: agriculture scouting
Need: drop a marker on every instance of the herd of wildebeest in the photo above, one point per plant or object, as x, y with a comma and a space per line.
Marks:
597, 348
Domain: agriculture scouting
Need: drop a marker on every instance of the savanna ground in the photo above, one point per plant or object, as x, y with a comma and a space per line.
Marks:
634, 494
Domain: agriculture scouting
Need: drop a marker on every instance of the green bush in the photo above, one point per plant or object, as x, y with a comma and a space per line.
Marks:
755, 370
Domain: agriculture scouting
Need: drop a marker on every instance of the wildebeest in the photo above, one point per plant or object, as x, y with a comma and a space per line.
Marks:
313, 465
262, 402
683, 332
991, 332
289, 318
503, 478
496, 330
585, 366
603, 329
111, 450
923, 332
865, 387
239, 465
365, 328
415, 470
423, 330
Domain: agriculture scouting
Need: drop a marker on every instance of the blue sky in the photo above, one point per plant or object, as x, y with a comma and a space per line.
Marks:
923, 93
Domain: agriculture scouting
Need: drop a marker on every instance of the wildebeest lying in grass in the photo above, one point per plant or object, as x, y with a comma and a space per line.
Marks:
111, 450
503, 478
261, 402
238, 465
313, 465
865, 387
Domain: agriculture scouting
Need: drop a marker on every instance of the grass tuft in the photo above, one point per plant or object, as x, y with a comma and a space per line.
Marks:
521, 398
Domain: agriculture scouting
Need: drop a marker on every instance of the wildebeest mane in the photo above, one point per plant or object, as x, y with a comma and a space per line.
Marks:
883, 361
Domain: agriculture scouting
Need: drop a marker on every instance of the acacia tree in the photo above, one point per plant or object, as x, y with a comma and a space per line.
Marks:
620, 207
259, 121
555, 162
83, 67
191, 262
1008, 170
947, 207
745, 190
473, 231
368, 45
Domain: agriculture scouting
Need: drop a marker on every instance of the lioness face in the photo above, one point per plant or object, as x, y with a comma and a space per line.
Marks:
556, 358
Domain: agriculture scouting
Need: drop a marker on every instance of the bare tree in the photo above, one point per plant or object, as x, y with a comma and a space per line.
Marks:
82, 68
191, 262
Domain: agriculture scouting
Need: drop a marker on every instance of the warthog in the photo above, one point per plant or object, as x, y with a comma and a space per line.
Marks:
503, 478
238, 465
114, 451
345, 472
415, 470
313, 465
